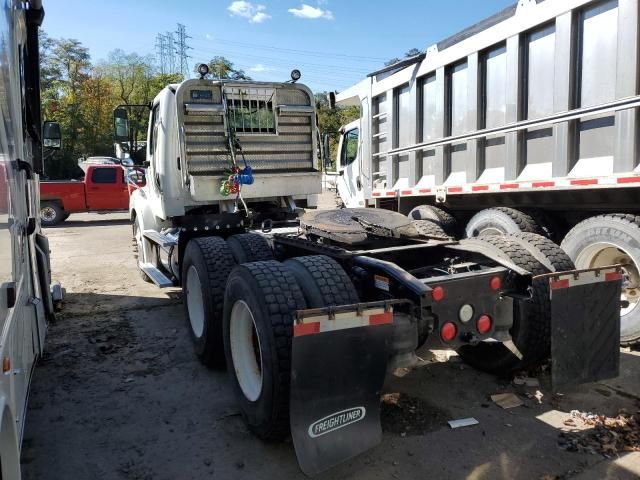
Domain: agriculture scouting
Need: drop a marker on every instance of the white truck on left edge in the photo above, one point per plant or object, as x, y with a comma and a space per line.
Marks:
26, 302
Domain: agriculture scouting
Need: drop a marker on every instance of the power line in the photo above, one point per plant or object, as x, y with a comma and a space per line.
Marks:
171, 52
161, 53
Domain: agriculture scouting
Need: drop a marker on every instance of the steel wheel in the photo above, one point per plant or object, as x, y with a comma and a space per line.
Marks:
48, 214
245, 350
195, 303
603, 254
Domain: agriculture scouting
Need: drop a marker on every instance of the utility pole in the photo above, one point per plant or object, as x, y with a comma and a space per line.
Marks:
181, 50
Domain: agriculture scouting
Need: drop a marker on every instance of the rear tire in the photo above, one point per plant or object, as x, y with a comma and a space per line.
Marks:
544, 249
501, 220
206, 266
268, 294
437, 215
531, 326
249, 247
608, 239
51, 214
323, 281
428, 228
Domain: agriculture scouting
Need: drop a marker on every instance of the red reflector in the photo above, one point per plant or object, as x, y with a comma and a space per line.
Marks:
506, 186
612, 276
495, 283
560, 284
424, 190
585, 181
484, 324
629, 179
479, 188
454, 189
381, 318
437, 293
543, 184
391, 194
301, 329
376, 194
406, 192
448, 331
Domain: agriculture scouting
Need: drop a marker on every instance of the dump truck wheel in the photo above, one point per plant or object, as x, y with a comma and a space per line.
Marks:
249, 247
606, 240
429, 228
138, 242
531, 328
500, 220
51, 214
544, 249
436, 215
323, 281
206, 266
261, 299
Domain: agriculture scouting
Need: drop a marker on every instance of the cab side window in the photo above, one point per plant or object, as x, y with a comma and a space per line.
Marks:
153, 129
104, 175
349, 148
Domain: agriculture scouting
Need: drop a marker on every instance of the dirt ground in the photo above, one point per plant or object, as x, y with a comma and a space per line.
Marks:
119, 394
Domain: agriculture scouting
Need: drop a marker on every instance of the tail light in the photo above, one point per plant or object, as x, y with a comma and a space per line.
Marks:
495, 283
437, 293
448, 331
484, 324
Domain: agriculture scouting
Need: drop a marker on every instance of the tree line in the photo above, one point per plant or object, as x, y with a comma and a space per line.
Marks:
81, 95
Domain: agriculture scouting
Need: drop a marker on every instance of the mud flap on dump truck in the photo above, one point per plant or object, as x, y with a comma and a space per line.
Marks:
339, 361
585, 325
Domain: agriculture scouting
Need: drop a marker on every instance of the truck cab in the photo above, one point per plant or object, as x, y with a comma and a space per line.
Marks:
349, 182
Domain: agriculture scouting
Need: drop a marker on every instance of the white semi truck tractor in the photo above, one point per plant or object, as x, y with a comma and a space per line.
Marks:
309, 319
526, 122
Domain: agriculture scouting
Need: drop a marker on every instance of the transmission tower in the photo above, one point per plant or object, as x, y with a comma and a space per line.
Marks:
170, 52
181, 50
161, 53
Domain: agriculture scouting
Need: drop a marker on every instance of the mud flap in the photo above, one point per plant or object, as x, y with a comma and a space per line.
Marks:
585, 326
338, 369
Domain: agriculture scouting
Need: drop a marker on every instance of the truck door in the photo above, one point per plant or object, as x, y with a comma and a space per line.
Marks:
104, 191
349, 182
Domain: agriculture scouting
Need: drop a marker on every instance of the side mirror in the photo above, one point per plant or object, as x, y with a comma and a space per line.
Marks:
52, 135
121, 125
332, 100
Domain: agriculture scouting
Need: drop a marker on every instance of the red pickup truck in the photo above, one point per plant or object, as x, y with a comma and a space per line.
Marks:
103, 189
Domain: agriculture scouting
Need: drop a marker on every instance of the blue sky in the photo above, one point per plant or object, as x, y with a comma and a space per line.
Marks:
335, 43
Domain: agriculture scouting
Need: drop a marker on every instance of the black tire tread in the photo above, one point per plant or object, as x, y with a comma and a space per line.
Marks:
557, 257
254, 246
524, 221
435, 214
331, 281
282, 297
429, 228
219, 262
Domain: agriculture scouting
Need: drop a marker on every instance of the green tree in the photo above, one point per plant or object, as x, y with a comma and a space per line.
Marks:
330, 120
222, 68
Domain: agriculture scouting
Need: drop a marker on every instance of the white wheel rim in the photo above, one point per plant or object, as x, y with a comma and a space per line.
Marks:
48, 213
194, 302
245, 350
603, 254
490, 231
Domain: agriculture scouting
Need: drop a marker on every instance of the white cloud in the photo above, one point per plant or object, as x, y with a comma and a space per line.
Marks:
253, 12
260, 68
307, 11
207, 36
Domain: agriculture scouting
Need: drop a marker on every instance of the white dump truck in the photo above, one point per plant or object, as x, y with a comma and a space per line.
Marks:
309, 319
524, 122
26, 301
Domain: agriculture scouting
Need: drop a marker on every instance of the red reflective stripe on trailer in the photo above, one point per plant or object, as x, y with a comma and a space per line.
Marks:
585, 181
454, 189
376, 194
391, 194
301, 329
381, 318
629, 179
406, 192
560, 284
612, 276
543, 184
505, 186
478, 188
424, 190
